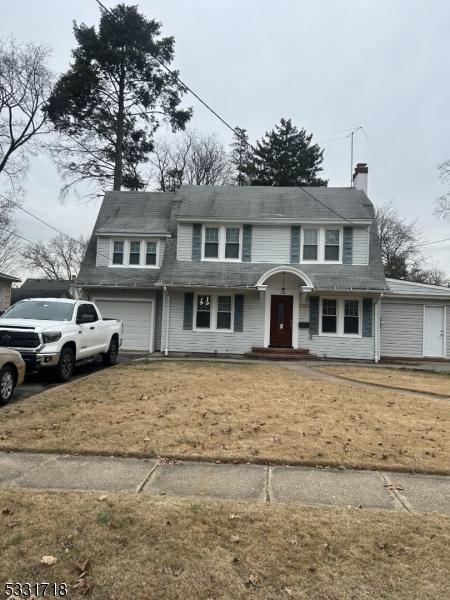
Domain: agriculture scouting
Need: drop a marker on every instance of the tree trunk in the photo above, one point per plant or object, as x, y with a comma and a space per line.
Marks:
118, 159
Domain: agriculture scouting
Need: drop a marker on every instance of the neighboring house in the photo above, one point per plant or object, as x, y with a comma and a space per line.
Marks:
5, 290
44, 288
226, 269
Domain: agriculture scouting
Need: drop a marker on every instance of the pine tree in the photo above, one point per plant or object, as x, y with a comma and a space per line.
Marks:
110, 102
286, 157
241, 156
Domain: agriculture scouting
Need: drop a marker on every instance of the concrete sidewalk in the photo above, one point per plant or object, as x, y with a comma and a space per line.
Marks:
258, 483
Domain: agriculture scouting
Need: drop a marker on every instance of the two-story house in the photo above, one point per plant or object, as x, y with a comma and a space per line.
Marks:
232, 270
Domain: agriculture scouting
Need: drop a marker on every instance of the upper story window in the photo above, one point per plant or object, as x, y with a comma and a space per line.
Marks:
332, 244
118, 253
135, 253
321, 244
150, 253
222, 243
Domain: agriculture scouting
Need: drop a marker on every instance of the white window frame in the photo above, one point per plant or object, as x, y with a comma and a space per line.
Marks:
213, 312
340, 314
142, 253
321, 244
222, 242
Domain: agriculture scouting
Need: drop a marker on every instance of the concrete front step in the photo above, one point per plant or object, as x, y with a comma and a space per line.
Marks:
279, 353
280, 356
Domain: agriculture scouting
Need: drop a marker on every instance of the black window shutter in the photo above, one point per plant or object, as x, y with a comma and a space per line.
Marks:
196, 241
188, 310
239, 312
295, 244
247, 243
314, 315
347, 257
367, 317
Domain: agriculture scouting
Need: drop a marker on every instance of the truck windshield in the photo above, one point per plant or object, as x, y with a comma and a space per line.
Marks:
40, 310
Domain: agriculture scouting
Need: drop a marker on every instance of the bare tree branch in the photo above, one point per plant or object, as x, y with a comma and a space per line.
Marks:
60, 258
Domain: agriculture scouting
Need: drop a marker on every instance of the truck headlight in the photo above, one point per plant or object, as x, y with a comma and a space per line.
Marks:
51, 336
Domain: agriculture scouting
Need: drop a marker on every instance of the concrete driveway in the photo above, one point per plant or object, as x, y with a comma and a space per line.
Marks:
39, 382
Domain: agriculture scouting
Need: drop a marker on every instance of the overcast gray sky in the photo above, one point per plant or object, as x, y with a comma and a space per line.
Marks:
329, 65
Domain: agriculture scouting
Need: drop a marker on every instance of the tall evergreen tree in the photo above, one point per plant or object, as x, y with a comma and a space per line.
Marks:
285, 156
110, 102
241, 156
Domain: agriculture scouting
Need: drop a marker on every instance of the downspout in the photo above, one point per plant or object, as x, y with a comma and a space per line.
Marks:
377, 328
167, 304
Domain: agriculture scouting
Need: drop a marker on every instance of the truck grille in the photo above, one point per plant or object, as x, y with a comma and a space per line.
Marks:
19, 339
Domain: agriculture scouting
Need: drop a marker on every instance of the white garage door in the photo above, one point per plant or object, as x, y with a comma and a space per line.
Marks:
137, 322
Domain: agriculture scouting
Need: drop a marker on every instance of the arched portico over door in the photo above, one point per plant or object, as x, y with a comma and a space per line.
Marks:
282, 287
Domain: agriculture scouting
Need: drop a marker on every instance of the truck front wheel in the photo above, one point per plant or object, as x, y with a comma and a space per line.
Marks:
110, 357
66, 365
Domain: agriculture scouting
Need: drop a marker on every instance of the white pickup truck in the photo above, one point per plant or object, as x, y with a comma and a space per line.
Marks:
56, 333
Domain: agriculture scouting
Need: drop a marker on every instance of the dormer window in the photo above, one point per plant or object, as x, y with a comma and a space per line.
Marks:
211, 242
150, 255
118, 253
136, 253
310, 244
321, 244
332, 245
222, 243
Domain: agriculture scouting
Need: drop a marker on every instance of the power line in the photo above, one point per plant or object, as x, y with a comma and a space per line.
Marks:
435, 242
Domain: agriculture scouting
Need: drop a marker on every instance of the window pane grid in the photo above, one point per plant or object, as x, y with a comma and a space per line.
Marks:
118, 253
150, 256
232, 235
135, 253
212, 234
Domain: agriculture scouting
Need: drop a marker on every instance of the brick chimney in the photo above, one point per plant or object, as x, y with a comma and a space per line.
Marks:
360, 177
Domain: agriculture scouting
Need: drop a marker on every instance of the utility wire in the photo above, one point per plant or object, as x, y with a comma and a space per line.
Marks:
435, 242
221, 119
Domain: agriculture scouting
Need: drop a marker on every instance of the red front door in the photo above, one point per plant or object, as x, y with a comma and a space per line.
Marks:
281, 321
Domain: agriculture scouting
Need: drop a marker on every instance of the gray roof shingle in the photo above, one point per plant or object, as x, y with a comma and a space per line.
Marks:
260, 202
41, 288
142, 212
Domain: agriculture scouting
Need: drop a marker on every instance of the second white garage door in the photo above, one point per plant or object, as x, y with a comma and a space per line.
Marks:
137, 319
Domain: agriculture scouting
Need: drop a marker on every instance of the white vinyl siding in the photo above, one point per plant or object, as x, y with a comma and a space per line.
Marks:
103, 251
402, 326
360, 246
271, 244
342, 347
224, 342
448, 331
184, 241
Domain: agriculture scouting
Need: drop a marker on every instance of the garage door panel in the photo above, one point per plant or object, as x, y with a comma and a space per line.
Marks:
136, 318
401, 329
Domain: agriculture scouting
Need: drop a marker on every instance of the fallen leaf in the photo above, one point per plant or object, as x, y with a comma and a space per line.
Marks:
232, 516
102, 497
49, 560
235, 538
289, 591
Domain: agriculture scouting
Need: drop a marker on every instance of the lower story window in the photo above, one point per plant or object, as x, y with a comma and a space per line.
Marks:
203, 312
329, 315
351, 316
224, 312
214, 312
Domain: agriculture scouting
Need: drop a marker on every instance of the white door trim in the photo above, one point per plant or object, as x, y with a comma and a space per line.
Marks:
444, 329
142, 301
295, 310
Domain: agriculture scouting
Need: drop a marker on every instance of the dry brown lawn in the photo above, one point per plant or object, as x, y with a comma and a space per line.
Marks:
129, 547
229, 411
438, 383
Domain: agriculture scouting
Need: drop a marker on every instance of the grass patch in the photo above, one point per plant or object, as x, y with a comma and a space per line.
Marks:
407, 379
222, 550
222, 411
